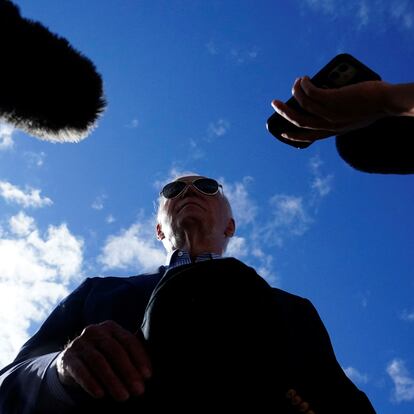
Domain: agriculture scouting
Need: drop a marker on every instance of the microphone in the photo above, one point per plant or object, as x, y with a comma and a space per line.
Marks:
48, 89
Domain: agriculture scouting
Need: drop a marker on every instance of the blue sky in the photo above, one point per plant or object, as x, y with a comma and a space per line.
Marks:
189, 86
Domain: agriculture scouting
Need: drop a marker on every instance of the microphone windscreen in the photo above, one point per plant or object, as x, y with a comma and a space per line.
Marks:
47, 88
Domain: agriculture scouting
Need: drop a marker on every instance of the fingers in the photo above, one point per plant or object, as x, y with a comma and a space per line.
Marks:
299, 119
106, 358
135, 349
112, 370
315, 93
307, 135
307, 94
77, 369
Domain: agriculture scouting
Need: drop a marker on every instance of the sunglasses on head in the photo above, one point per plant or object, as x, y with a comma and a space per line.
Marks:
206, 186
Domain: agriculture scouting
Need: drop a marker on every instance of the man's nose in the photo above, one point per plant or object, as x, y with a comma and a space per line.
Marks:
189, 190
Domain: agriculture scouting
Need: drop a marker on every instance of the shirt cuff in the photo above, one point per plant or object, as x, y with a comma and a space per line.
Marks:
55, 387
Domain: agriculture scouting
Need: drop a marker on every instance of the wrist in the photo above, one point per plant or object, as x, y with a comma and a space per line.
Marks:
62, 373
399, 99
388, 93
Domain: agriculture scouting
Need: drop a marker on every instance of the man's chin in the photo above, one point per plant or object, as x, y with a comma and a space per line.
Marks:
196, 220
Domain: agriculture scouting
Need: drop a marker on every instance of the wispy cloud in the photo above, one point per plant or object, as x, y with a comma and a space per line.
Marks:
238, 54
218, 128
110, 219
195, 150
237, 247
135, 248
403, 13
134, 123
355, 375
288, 217
366, 14
212, 48
402, 379
6, 137
35, 159
30, 197
98, 203
321, 184
35, 273
243, 206
407, 315
245, 244
243, 55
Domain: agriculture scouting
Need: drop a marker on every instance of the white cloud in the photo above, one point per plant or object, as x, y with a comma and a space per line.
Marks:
196, 152
21, 224
321, 185
212, 48
35, 273
381, 14
134, 123
236, 53
135, 248
363, 13
407, 315
403, 381
6, 137
29, 198
237, 247
326, 6
244, 208
403, 13
241, 248
218, 128
355, 375
36, 159
288, 218
110, 219
242, 55
265, 267
98, 203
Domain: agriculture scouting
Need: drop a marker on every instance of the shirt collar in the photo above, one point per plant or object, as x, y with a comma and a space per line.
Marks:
181, 257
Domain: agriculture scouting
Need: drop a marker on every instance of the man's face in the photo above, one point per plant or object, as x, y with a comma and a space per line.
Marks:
194, 211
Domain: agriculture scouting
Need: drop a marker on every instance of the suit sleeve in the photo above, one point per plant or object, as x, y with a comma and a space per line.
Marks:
24, 383
333, 391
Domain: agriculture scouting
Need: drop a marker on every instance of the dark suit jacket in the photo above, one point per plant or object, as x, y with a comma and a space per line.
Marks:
307, 356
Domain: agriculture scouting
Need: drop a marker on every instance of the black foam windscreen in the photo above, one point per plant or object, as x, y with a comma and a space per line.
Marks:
48, 89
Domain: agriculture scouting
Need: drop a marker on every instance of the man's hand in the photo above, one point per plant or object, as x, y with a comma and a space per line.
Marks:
334, 111
105, 359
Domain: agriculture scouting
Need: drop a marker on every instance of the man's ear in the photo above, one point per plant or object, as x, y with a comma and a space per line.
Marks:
230, 228
160, 234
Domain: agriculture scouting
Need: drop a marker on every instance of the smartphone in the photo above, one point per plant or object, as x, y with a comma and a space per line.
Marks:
342, 70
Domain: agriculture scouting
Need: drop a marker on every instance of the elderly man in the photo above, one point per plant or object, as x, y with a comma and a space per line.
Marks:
202, 333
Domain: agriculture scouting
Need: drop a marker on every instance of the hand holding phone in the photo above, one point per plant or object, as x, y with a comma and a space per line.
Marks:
328, 103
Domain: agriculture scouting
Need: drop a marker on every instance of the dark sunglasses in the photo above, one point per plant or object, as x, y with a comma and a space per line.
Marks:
206, 186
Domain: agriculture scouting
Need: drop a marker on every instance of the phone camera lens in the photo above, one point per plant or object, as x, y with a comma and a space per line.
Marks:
343, 67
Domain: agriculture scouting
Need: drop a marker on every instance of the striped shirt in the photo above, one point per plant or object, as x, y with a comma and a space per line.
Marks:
181, 257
